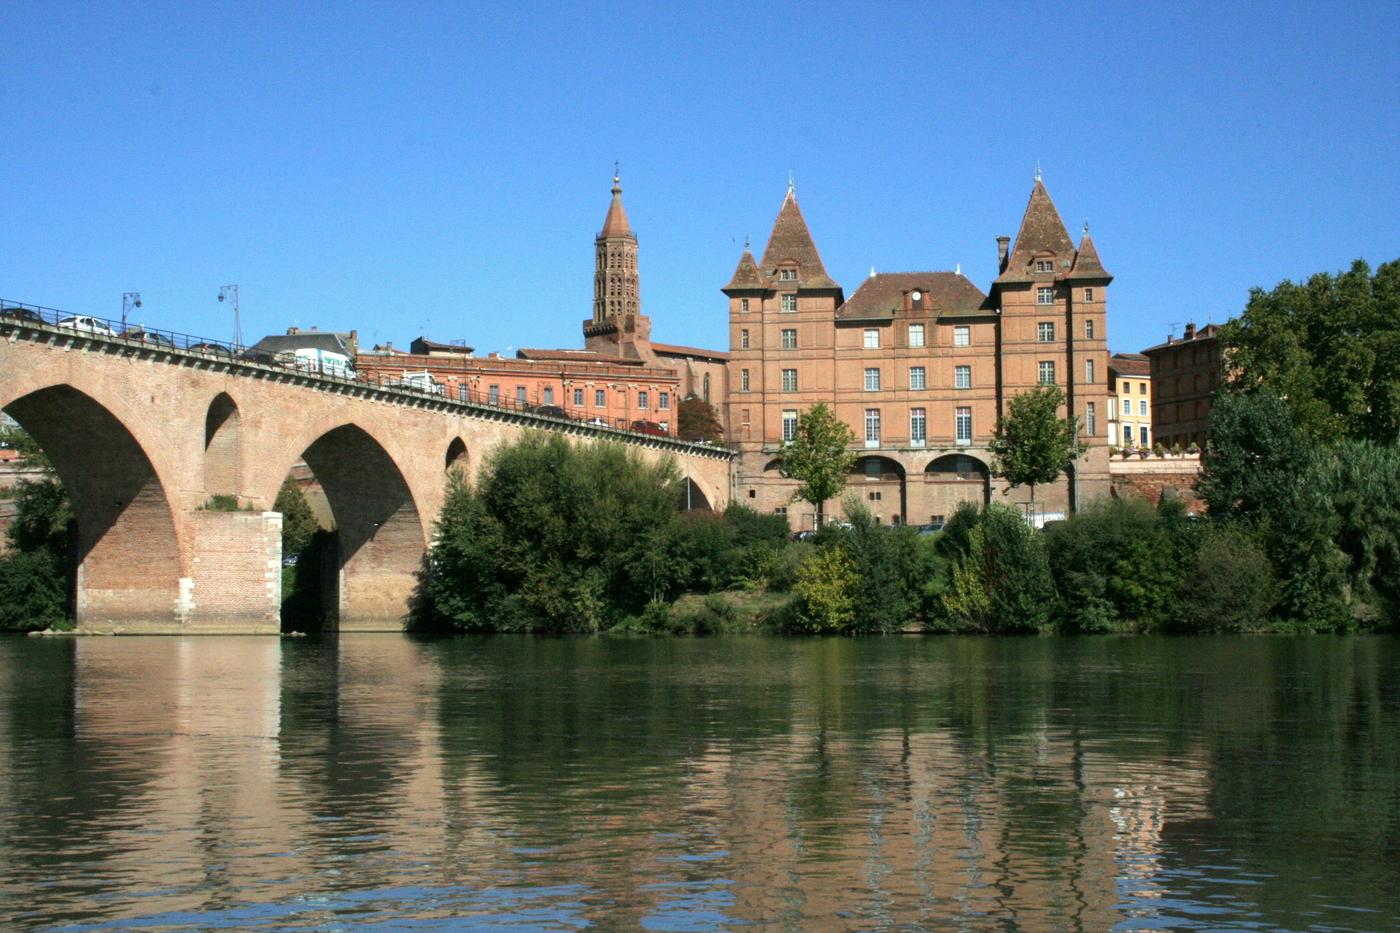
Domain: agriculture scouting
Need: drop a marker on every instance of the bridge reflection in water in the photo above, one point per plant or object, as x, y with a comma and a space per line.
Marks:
147, 437
1041, 784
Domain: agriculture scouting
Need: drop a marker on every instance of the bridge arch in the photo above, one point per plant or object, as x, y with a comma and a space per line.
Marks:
127, 547
456, 458
223, 447
380, 532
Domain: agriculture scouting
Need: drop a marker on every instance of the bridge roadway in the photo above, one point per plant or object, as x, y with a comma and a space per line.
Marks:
144, 436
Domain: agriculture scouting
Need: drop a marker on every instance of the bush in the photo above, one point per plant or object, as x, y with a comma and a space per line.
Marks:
33, 575
826, 588
1001, 578
1230, 587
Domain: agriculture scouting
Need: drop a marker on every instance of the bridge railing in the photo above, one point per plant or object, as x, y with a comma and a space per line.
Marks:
110, 329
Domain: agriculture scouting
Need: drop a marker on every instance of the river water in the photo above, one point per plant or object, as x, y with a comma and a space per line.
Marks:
387, 783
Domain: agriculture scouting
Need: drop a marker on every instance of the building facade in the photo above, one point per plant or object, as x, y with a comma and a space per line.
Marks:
1130, 401
920, 365
1186, 373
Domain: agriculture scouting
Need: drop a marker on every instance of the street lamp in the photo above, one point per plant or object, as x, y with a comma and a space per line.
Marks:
129, 300
231, 293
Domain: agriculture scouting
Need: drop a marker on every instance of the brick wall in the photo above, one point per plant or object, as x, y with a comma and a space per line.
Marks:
236, 573
1151, 478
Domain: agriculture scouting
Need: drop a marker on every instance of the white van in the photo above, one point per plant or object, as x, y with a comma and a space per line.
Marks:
421, 381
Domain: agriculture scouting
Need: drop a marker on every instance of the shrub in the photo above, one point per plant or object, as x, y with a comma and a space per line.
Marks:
1001, 580
826, 585
1231, 586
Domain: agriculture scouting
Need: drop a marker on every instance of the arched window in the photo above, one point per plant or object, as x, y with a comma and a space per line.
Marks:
706, 389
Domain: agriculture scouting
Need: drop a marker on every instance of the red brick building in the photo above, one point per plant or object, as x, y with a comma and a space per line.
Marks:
1186, 372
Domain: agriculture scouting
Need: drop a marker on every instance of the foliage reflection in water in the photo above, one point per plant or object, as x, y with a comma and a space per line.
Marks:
1045, 784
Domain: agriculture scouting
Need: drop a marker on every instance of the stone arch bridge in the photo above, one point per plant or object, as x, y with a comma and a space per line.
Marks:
144, 436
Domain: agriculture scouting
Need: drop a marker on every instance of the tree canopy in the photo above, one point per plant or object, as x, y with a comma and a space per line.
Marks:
818, 456
697, 420
1330, 347
1032, 444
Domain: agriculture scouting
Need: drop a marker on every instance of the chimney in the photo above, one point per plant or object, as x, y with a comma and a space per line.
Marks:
1003, 248
293, 331
313, 328
1190, 333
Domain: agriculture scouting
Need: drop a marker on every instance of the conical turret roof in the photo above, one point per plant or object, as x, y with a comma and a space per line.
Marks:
791, 241
1042, 231
746, 275
1086, 262
615, 224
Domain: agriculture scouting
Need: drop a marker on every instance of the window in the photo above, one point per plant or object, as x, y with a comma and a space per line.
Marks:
1088, 294
1127, 406
744, 420
578, 398
743, 380
705, 387
1044, 296
520, 395
780, 510
600, 398
1142, 407
1127, 435
1047, 372
1088, 370
918, 427
744, 339
1044, 265
743, 306
872, 380
663, 400
1045, 332
962, 336
1091, 419
1142, 388
872, 427
872, 338
789, 380
548, 395
642, 399
789, 338
1142, 433
963, 425
916, 335
787, 275
789, 303
789, 424
493, 395
962, 377
916, 377
873, 497
1088, 328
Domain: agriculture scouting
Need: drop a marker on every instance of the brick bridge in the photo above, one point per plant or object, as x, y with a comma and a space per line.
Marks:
144, 435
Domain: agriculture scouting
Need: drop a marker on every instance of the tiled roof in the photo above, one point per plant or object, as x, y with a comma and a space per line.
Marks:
1130, 364
1208, 332
671, 349
424, 345
880, 295
1086, 262
575, 356
1041, 231
615, 224
746, 275
792, 241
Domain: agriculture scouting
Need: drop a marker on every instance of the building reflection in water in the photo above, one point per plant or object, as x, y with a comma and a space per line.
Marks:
795, 784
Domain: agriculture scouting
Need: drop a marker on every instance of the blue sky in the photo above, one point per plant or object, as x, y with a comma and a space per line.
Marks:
419, 168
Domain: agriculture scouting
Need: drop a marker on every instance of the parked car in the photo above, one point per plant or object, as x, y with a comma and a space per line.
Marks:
261, 357
87, 324
419, 382
140, 335
21, 314
649, 427
597, 422
931, 528
212, 349
551, 411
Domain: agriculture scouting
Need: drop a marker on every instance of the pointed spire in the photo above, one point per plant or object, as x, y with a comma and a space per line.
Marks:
791, 241
1042, 231
615, 224
746, 275
1086, 261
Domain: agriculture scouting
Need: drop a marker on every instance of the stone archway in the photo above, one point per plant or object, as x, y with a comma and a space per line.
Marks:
950, 480
456, 457
127, 552
693, 497
223, 447
882, 486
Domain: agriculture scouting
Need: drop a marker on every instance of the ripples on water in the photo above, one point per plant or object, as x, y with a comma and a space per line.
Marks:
379, 782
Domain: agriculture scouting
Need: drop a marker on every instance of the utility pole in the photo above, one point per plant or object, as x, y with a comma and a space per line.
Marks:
129, 300
231, 293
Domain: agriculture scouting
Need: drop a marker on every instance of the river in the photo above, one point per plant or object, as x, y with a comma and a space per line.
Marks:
387, 783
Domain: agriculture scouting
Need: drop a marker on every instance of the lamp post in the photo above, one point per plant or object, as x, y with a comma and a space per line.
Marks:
231, 293
129, 300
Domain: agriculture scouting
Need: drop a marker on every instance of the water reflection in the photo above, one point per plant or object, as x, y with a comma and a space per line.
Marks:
677, 784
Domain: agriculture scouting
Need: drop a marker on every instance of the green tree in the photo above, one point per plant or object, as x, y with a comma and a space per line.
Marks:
1032, 444
818, 456
33, 575
826, 589
1330, 347
1001, 578
697, 420
298, 521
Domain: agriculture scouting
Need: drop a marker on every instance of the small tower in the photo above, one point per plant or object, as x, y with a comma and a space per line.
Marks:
616, 283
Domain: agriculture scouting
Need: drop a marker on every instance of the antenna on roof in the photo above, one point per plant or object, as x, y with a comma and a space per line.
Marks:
1171, 329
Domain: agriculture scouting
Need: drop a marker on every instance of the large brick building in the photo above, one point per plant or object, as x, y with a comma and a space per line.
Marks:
918, 364
1186, 372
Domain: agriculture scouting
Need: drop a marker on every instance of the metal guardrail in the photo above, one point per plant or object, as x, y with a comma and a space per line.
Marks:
139, 335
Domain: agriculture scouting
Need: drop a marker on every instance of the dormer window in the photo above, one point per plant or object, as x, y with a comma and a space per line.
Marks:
787, 275
916, 300
1045, 265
